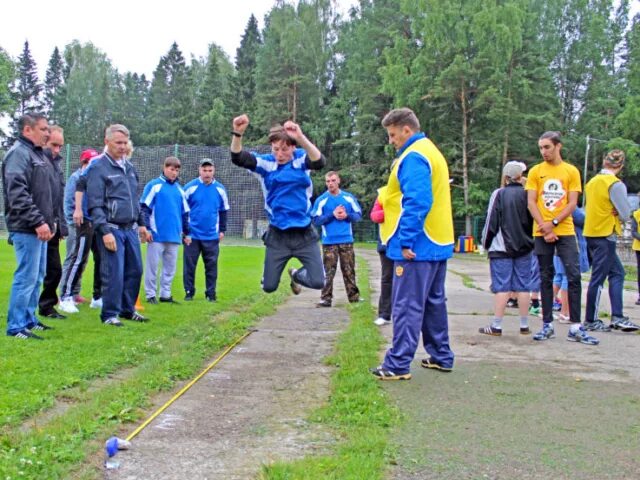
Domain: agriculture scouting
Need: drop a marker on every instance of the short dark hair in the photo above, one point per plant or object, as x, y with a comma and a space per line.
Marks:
277, 134
554, 136
401, 117
30, 119
172, 162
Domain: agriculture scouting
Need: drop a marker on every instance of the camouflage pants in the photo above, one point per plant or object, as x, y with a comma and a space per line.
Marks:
331, 254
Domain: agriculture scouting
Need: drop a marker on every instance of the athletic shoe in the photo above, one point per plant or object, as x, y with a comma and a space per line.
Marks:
168, 300
512, 303
432, 364
546, 333
295, 288
577, 333
79, 299
381, 321
490, 330
638, 301
323, 303
152, 300
384, 374
562, 318
557, 306
113, 321
211, 298
96, 303
624, 324
66, 305
188, 297
41, 327
535, 311
135, 316
26, 334
596, 326
53, 314
525, 331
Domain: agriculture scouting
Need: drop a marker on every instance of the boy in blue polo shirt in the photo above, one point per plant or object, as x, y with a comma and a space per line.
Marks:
208, 204
166, 216
335, 211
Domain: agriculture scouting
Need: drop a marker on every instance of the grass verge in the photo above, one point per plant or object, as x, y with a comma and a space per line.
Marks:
359, 411
105, 378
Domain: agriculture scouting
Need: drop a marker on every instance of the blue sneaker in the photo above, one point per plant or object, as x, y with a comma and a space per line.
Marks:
577, 333
557, 306
546, 333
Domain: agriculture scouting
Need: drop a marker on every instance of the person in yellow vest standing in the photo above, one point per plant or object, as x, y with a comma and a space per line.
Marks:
552, 188
606, 208
418, 233
635, 246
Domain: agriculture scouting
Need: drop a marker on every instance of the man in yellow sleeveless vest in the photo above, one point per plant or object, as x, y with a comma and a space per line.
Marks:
635, 232
552, 188
418, 233
606, 206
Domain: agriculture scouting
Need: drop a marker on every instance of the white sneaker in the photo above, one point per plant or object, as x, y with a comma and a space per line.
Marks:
96, 303
68, 306
381, 321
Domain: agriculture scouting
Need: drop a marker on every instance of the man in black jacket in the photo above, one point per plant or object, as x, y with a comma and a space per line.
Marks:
112, 200
49, 296
508, 237
30, 220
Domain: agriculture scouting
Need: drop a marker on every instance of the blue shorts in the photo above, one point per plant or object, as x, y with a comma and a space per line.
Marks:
534, 282
560, 278
511, 274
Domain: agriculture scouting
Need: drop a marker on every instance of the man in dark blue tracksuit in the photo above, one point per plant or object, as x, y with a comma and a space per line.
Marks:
112, 199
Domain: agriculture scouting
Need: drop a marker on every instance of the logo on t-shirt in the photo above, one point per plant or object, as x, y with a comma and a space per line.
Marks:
552, 194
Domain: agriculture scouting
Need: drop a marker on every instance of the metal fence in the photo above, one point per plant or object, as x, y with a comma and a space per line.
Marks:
247, 217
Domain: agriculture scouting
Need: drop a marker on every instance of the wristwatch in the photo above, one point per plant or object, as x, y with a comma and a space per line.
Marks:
555, 222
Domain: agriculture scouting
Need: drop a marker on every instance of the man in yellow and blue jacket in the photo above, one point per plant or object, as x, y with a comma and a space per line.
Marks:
418, 233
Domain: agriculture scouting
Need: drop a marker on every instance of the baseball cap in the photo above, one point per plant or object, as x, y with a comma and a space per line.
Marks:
513, 169
88, 154
206, 161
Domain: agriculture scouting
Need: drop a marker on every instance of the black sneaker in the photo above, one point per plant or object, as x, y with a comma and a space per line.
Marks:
512, 303
168, 300
135, 316
429, 363
211, 298
295, 288
113, 321
53, 314
41, 327
383, 374
26, 334
188, 297
152, 300
323, 303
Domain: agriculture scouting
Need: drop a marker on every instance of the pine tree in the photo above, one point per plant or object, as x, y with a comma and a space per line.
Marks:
28, 87
53, 82
244, 84
7, 77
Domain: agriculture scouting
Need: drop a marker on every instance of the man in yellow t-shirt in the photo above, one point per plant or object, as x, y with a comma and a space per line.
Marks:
552, 188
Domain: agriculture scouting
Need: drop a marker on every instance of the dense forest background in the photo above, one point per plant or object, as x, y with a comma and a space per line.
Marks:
486, 78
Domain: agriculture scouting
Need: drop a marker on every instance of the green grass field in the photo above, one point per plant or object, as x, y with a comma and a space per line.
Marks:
61, 398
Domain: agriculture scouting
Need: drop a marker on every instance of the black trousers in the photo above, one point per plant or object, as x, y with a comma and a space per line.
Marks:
566, 247
210, 250
97, 279
49, 295
283, 245
386, 283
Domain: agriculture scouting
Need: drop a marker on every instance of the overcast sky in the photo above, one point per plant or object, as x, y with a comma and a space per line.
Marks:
134, 34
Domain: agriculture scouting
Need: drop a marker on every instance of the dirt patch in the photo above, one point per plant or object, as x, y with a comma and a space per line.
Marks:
253, 408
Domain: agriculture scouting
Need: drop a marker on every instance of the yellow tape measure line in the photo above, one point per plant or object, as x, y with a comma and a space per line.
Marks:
188, 386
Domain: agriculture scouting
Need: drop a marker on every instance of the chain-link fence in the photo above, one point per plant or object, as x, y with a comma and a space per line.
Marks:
247, 217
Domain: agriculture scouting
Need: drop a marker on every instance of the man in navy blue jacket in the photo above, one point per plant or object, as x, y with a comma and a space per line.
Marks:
112, 199
335, 211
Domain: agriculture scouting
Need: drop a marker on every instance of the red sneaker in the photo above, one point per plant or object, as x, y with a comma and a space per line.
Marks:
79, 299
